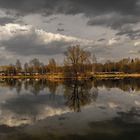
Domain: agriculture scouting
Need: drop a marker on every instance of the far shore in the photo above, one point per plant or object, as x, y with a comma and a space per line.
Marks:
62, 77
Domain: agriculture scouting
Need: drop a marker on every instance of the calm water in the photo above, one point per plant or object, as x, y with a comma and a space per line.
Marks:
44, 110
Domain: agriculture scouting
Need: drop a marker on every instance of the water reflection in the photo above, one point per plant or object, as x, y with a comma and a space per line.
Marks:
35, 86
131, 116
125, 84
79, 93
75, 94
51, 98
105, 108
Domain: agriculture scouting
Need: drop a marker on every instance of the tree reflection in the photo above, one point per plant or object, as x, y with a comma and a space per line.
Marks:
18, 86
11, 83
76, 93
52, 86
125, 84
36, 86
79, 93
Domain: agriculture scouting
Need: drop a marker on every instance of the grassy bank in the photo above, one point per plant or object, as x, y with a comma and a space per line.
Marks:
115, 75
61, 76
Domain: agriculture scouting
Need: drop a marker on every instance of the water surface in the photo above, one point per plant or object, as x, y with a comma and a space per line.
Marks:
37, 109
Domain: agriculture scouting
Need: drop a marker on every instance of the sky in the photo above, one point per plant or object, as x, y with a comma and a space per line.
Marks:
44, 29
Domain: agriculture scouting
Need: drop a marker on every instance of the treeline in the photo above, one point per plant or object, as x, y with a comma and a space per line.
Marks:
35, 66
77, 60
125, 65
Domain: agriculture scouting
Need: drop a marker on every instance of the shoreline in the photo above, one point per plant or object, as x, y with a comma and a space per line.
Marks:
61, 77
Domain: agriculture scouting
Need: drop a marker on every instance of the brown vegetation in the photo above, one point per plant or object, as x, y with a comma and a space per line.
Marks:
78, 64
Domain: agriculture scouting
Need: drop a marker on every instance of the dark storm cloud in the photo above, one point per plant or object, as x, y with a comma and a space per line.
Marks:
5, 20
50, 20
114, 20
128, 10
32, 44
71, 6
133, 34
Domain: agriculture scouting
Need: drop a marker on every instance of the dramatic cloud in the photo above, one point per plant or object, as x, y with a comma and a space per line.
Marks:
14, 109
137, 43
114, 20
124, 11
133, 34
72, 6
112, 41
48, 27
6, 20
25, 40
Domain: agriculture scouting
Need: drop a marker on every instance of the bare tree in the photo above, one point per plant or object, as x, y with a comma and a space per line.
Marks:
94, 61
26, 67
76, 59
52, 65
35, 64
18, 66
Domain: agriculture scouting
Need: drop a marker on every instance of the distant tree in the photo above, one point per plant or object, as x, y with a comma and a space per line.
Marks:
52, 65
94, 61
18, 66
42, 68
35, 65
26, 67
35, 62
11, 70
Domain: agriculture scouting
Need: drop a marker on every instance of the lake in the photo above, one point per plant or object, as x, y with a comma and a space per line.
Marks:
38, 109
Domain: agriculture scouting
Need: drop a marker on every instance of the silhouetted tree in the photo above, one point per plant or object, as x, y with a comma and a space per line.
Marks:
18, 66
76, 59
52, 65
